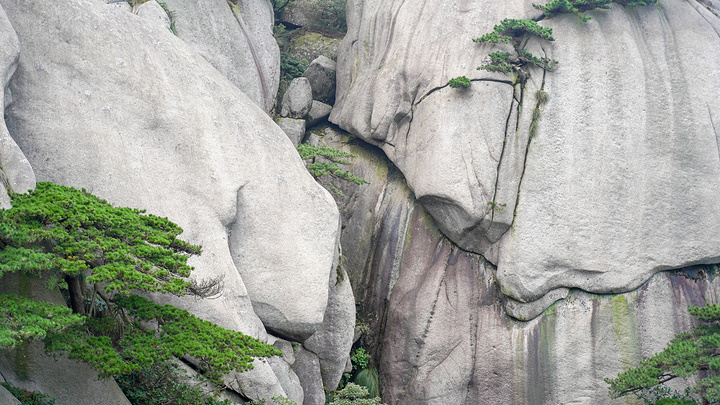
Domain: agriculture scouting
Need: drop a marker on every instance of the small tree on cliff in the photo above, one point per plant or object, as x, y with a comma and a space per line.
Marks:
688, 354
98, 255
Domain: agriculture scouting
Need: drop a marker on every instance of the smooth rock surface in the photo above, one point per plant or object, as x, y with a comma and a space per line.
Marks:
150, 124
297, 100
258, 383
593, 198
321, 74
307, 368
288, 380
333, 341
7, 398
438, 315
293, 128
237, 41
319, 112
155, 13
15, 171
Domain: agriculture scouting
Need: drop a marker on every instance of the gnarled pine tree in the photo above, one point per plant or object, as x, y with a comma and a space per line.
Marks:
99, 255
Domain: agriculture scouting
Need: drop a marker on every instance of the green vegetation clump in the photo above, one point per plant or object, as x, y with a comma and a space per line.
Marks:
459, 82
686, 355
159, 385
578, 7
328, 166
510, 28
99, 256
28, 397
354, 394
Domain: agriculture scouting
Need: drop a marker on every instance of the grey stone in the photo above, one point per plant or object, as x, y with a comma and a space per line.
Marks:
592, 197
303, 12
293, 128
312, 44
321, 74
7, 398
152, 11
319, 112
237, 41
307, 368
287, 379
297, 100
286, 348
15, 171
258, 383
447, 337
184, 143
530, 310
333, 341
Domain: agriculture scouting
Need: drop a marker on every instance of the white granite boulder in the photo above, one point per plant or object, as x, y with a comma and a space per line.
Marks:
321, 74
237, 41
151, 124
297, 100
294, 128
618, 181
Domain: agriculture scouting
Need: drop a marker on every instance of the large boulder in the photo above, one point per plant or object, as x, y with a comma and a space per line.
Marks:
15, 171
237, 40
321, 74
591, 200
333, 341
437, 318
297, 100
108, 101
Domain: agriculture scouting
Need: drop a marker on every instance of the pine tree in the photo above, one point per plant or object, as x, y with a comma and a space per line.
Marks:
99, 256
688, 354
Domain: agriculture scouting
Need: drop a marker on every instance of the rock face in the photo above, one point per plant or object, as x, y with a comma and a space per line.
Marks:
321, 74
438, 318
236, 40
15, 171
297, 100
591, 200
112, 102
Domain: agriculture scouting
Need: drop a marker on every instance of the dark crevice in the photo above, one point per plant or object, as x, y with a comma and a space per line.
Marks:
527, 150
263, 86
413, 374
502, 154
717, 135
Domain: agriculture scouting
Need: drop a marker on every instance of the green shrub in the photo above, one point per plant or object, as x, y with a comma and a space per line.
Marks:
324, 168
459, 82
510, 28
159, 385
28, 397
354, 394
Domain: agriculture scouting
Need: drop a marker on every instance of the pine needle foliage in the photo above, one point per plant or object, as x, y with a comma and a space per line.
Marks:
327, 165
510, 28
686, 355
61, 229
354, 394
578, 7
24, 319
459, 82
100, 255
177, 333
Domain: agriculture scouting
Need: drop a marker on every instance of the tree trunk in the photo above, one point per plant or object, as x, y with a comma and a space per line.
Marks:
77, 299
